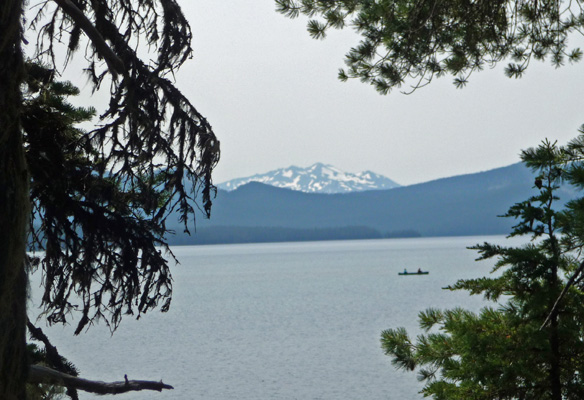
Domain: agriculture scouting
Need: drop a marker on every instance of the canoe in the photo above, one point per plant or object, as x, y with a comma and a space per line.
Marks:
414, 273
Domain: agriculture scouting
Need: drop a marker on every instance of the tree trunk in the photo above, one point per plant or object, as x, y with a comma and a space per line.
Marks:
14, 208
555, 366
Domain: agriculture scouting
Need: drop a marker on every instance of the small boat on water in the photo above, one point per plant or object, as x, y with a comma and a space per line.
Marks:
414, 273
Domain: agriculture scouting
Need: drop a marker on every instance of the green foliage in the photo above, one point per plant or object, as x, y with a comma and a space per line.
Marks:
44, 392
413, 41
525, 346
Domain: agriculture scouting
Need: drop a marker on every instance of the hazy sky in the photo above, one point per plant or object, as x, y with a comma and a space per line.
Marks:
272, 95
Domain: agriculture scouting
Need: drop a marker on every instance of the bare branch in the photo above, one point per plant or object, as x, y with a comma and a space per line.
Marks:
41, 374
561, 296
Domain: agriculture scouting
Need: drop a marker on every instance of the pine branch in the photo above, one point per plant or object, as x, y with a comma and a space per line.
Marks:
41, 374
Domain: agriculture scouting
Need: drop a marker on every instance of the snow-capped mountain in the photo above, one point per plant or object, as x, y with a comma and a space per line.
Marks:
318, 178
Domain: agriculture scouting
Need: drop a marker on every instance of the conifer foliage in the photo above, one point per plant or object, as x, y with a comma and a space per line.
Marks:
96, 199
411, 42
103, 195
530, 343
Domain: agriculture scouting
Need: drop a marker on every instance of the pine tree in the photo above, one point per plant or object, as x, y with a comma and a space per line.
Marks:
102, 195
412, 42
529, 345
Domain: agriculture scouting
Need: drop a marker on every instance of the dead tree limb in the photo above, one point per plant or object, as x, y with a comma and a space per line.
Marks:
41, 374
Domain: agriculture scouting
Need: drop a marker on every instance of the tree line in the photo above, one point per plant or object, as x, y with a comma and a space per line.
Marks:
247, 234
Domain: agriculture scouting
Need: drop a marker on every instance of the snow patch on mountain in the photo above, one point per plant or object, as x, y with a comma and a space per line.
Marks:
318, 178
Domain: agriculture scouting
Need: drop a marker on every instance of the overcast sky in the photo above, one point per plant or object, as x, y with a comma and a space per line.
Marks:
272, 95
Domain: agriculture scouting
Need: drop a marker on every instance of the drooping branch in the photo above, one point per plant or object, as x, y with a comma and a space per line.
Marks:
114, 63
41, 374
103, 196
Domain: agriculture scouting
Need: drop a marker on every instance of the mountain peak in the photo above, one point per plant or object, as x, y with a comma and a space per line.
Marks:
317, 178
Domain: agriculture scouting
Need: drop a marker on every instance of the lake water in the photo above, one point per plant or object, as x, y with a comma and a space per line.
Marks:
281, 320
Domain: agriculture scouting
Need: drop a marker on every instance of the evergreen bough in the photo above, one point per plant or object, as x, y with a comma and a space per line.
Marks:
101, 197
530, 343
411, 42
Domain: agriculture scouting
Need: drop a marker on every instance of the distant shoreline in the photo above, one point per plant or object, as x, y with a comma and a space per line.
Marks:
238, 234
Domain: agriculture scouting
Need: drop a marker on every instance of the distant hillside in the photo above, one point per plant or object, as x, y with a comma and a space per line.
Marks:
318, 178
460, 205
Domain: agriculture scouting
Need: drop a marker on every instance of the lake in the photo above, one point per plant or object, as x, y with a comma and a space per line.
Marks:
281, 320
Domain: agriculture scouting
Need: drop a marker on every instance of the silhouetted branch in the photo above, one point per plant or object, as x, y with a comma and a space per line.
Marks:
101, 198
114, 63
54, 359
41, 374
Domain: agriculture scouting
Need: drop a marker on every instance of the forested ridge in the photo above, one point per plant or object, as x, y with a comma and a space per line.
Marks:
456, 206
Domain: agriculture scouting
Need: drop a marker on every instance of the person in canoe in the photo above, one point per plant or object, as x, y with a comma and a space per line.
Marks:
419, 270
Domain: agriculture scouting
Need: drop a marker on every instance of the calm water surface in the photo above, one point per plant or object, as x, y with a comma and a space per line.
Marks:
281, 321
